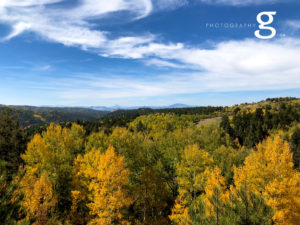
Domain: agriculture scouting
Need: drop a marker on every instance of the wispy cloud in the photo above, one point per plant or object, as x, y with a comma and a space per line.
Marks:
246, 65
118, 87
44, 68
163, 63
241, 2
12, 67
168, 4
70, 26
294, 24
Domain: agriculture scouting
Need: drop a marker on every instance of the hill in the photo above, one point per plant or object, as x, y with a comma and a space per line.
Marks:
29, 116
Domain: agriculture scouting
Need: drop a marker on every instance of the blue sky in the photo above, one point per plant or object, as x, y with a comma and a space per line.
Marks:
146, 52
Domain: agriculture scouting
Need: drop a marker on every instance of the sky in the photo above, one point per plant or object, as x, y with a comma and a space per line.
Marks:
146, 52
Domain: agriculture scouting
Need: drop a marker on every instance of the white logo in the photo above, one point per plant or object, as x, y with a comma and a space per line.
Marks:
263, 26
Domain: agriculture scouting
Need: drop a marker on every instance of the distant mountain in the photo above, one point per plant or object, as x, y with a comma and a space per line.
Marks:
179, 105
105, 108
117, 107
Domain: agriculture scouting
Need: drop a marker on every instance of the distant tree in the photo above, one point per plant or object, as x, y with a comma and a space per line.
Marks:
295, 139
225, 124
250, 126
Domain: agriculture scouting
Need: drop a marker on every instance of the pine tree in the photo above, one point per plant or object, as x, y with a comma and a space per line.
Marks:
12, 142
244, 207
295, 139
9, 202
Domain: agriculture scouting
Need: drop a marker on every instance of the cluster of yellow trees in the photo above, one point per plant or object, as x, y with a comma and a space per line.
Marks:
267, 173
162, 169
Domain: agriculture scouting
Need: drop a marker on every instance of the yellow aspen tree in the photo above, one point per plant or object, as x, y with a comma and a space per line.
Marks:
79, 211
215, 194
109, 179
192, 173
180, 211
284, 196
193, 170
53, 152
39, 199
273, 159
269, 171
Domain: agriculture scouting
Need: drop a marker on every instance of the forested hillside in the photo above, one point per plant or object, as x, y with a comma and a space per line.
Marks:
155, 167
30, 116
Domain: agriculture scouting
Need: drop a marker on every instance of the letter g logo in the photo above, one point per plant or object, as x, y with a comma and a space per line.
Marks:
262, 25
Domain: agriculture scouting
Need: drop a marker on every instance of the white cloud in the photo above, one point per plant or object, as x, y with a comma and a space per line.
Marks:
247, 57
101, 8
162, 63
25, 3
241, 2
18, 28
169, 4
44, 68
118, 87
294, 24
69, 26
247, 65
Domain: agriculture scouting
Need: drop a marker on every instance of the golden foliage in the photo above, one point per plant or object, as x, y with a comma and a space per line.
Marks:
39, 199
269, 171
193, 171
284, 196
180, 211
51, 153
216, 186
108, 179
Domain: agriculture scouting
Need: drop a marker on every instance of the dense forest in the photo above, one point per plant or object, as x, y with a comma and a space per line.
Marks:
234, 165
